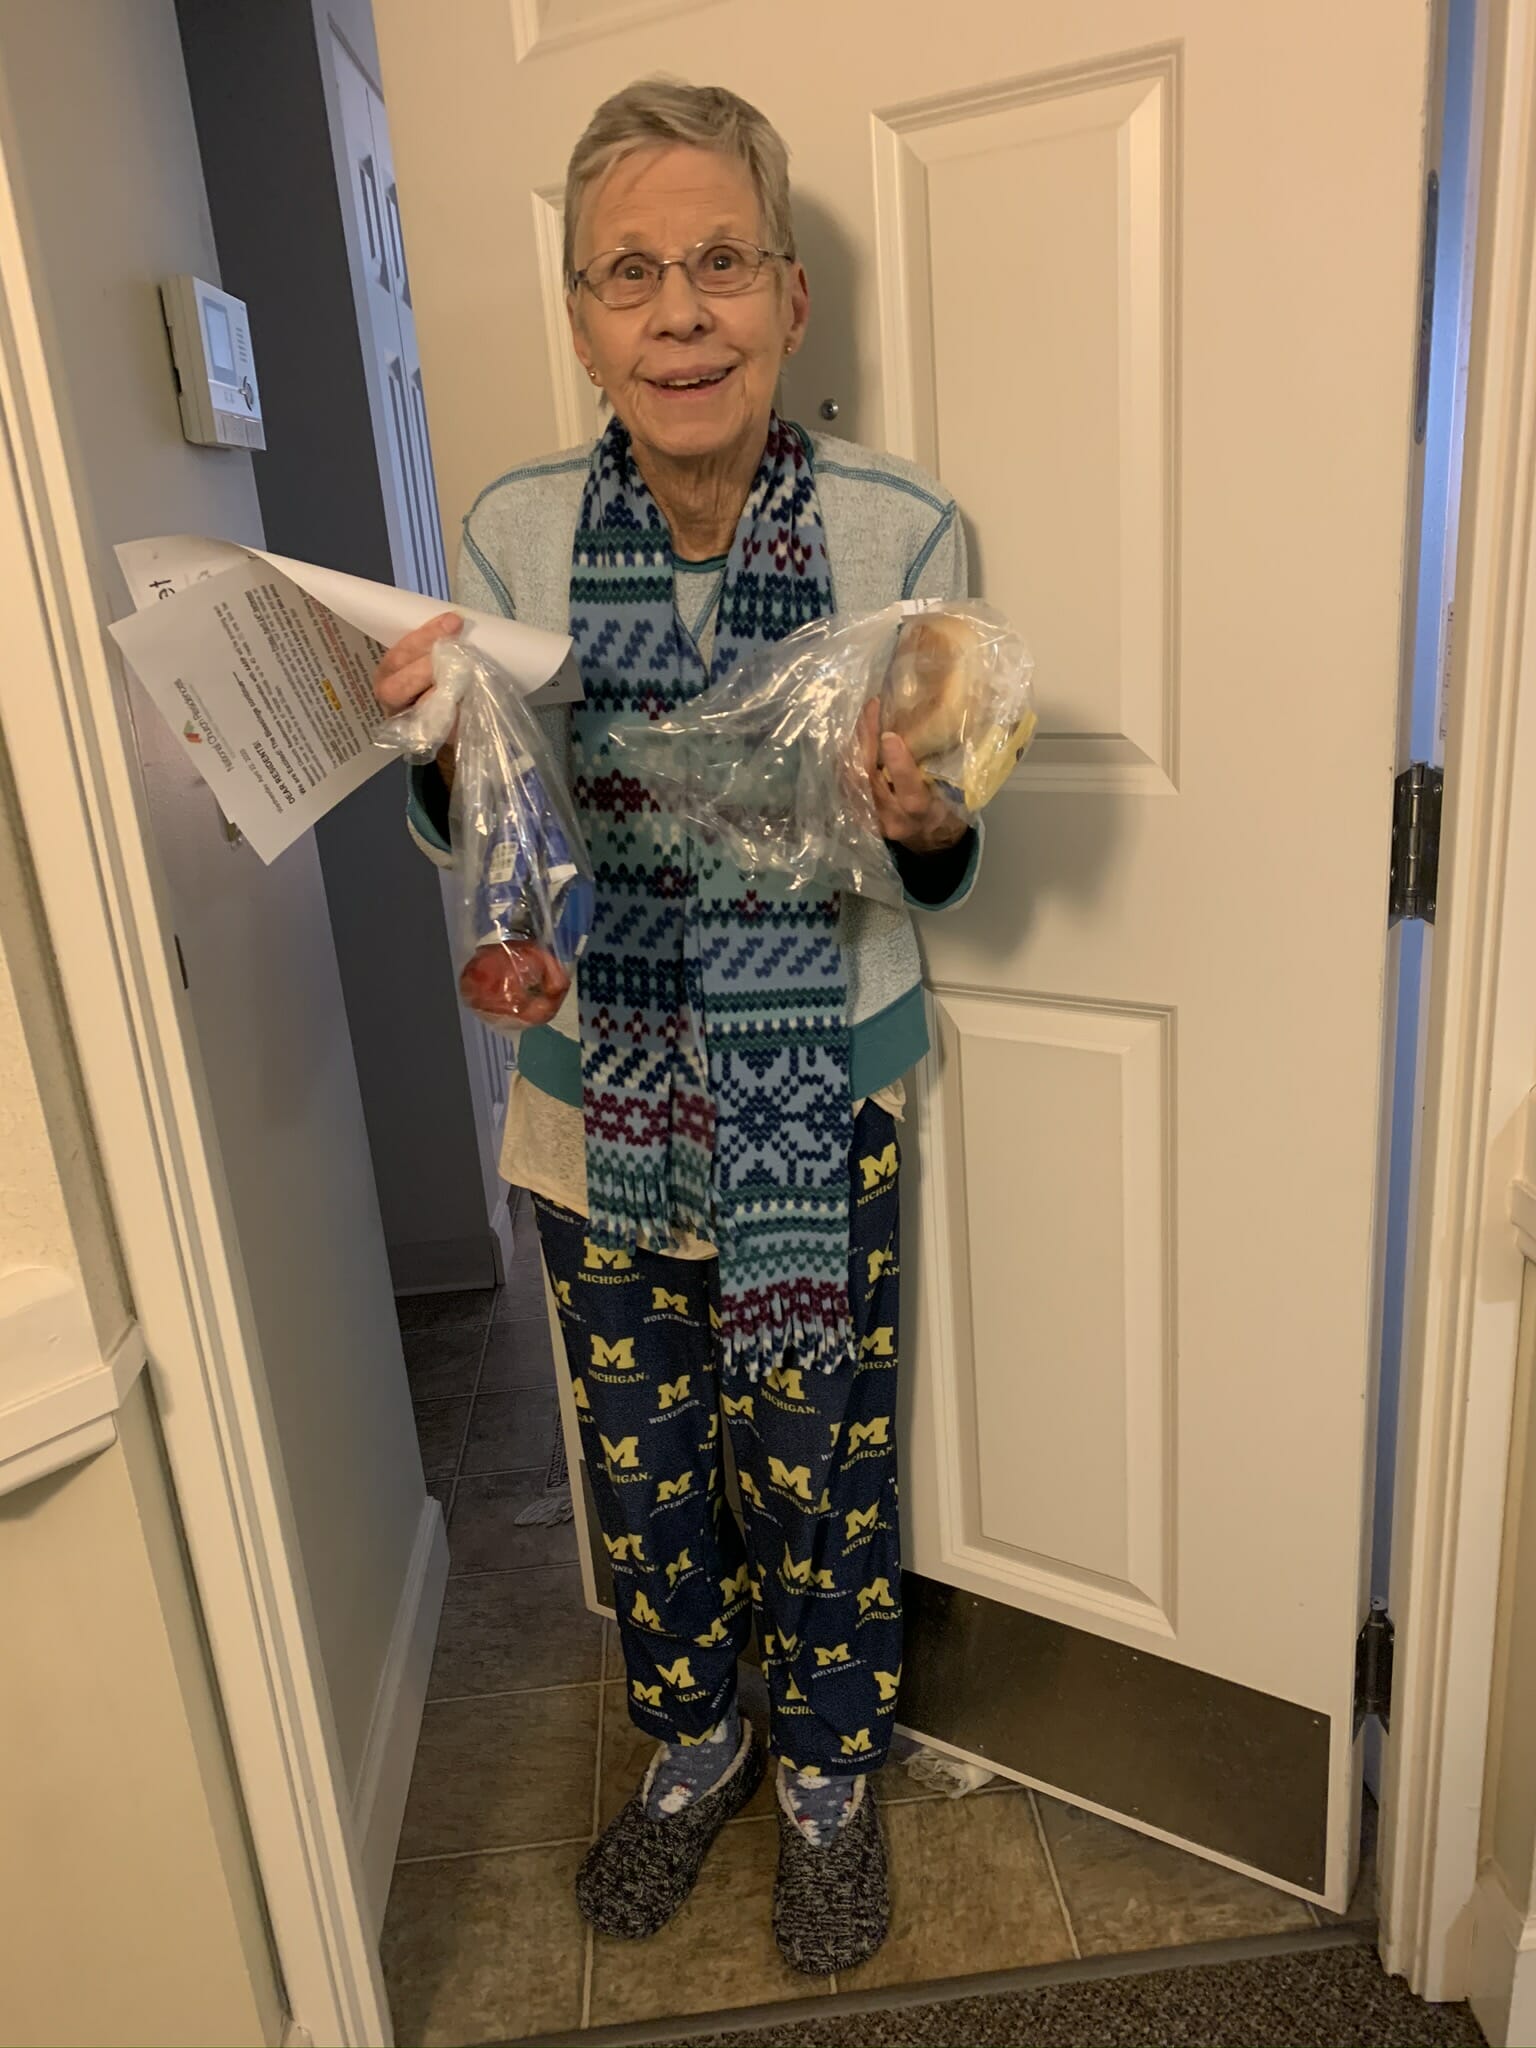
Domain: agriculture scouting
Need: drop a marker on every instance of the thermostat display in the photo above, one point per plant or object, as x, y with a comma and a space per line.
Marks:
215, 368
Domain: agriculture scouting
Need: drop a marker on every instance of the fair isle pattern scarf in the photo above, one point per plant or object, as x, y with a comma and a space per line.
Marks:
714, 1036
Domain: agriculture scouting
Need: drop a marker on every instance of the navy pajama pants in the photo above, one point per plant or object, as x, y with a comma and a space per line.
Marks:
816, 1557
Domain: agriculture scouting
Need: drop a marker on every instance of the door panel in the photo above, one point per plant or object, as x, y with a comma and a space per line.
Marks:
1027, 1493
1024, 238
1139, 282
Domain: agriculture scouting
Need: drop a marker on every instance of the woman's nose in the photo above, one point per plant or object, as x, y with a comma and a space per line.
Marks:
679, 310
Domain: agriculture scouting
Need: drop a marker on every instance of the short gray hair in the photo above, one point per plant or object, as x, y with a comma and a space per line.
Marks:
657, 112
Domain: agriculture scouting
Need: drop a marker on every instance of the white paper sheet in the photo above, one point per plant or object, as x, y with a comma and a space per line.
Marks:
263, 668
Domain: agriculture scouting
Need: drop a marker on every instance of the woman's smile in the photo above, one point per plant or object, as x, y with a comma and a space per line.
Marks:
691, 384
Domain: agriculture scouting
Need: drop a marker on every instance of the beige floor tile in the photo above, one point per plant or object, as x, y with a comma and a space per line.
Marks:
485, 1948
502, 1773
1125, 1892
718, 1952
517, 1354
970, 1891
442, 1363
440, 1432
484, 1534
507, 1631
512, 1432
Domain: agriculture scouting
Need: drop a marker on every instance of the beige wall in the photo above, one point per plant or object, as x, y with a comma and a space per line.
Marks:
1509, 1810
129, 1907
101, 126
129, 1911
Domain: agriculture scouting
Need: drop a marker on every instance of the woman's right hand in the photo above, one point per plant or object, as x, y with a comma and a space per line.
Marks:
405, 673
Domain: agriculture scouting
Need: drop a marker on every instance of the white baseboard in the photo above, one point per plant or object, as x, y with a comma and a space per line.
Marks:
1502, 1965
384, 1774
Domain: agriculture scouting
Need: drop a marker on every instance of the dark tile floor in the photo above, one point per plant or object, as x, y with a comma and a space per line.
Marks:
526, 1750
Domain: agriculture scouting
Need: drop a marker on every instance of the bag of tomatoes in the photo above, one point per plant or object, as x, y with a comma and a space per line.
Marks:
523, 901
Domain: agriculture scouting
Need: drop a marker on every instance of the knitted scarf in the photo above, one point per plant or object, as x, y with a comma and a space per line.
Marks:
714, 1037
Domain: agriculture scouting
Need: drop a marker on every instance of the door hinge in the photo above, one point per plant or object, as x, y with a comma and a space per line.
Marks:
1416, 799
1373, 1668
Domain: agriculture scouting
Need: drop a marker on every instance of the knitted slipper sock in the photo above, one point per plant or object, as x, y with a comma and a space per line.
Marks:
685, 1771
820, 1805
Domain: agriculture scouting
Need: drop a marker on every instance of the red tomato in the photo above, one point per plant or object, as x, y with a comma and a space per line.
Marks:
514, 982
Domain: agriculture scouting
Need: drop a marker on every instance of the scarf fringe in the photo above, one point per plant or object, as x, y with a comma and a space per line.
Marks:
783, 1334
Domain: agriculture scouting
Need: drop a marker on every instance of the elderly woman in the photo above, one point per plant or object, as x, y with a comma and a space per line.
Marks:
708, 1128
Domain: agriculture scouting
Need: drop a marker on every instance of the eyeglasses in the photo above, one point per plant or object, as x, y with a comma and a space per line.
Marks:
623, 278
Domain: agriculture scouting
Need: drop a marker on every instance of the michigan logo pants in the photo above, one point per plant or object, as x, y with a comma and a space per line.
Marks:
815, 1559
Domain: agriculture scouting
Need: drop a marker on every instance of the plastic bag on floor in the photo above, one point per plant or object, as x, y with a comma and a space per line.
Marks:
950, 1775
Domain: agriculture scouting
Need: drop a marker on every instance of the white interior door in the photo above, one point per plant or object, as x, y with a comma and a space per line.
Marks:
1139, 282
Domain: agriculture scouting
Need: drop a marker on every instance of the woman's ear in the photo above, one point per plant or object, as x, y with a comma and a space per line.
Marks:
799, 304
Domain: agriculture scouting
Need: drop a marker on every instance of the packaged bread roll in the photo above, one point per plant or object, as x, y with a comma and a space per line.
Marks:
952, 694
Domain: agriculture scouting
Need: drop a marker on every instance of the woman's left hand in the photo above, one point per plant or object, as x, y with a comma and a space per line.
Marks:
911, 811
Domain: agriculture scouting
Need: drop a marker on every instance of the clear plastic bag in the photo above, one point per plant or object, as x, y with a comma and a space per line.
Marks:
767, 763
523, 897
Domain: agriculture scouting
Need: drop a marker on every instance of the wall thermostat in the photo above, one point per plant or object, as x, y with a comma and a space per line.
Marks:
215, 368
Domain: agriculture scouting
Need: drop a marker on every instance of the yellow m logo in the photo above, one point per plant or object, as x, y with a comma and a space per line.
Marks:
620, 1547
644, 1613
878, 1261
649, 1694
579, 1395
678, 1675
875, 1431
625, 1453
791, 1690
682, 1563
856, 1745
803, 1575
878, 1167
620, 1354
715, 1633
888, 1682
713, 1430
674, 1489
786, 1380
877, 1595
860, 1519
741, 1407
563, 1293
714, 1317
838, 1654
793, 1478
673, 1391
734, 1587
879, 1343
618, 1262
749, 1489
677, 1303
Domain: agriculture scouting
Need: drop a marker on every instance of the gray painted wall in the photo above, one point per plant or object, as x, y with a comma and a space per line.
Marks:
258, 95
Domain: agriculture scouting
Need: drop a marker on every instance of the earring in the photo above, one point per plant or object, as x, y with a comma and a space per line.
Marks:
593, 375
789, 348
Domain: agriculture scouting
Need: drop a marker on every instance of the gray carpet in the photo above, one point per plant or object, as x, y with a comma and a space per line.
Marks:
1328, 1998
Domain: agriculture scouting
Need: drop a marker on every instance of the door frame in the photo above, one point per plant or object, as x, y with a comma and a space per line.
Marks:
1466, 1270
97, 874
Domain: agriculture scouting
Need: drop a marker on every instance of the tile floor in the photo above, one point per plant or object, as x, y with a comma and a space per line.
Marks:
526, 1750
